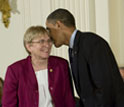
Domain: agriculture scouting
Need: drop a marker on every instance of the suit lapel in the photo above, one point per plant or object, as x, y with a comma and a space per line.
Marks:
51, 71
74, 65
30, 74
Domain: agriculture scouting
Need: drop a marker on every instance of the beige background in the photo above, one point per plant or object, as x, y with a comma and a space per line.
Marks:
105, 17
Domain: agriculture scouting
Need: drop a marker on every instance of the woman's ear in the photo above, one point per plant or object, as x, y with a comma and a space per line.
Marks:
28, 47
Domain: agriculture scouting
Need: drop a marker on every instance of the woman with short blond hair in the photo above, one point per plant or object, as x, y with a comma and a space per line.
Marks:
40, 80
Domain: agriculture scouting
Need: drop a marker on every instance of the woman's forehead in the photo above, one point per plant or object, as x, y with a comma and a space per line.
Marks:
43, 36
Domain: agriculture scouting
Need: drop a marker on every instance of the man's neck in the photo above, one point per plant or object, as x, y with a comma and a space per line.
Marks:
68, 35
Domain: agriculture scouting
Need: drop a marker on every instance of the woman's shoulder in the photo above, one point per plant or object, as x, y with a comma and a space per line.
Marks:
57, 59
20, 62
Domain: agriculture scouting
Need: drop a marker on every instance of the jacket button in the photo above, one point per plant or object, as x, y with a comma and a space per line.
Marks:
51, 70
51, 88
84, 100
36, 91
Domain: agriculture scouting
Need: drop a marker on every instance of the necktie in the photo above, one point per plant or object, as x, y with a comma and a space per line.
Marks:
71, 61
70, 54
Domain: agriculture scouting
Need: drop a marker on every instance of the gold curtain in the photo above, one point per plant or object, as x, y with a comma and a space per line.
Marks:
5, 9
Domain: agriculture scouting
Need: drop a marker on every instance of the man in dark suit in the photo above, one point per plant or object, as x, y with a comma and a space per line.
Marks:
94, 68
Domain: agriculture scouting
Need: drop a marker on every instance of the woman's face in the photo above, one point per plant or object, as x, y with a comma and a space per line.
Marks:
40, 47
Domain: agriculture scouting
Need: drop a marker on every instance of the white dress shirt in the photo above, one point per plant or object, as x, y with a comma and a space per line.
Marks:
45, 99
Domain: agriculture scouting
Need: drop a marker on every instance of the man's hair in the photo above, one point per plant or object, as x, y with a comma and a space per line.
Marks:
62, 15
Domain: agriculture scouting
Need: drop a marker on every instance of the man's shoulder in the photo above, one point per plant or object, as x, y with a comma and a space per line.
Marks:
87, 34
89, 37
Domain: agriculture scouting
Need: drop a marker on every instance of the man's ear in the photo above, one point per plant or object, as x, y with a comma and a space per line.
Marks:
59, 24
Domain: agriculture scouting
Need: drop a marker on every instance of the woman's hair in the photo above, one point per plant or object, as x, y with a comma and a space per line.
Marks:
1, 88
33, 32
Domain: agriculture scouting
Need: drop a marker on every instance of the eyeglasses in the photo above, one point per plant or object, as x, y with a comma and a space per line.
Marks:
43, 41
48, 30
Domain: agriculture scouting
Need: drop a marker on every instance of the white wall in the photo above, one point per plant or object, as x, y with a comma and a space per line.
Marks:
11, 43
90, 15
102, 18
116, 18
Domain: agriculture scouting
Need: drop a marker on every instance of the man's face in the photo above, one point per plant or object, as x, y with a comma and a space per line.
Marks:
122, 73
55, 33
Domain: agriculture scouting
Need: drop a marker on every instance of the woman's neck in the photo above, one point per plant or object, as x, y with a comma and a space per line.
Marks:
39, 64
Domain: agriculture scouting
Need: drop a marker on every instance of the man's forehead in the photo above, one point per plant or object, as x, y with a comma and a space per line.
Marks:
48, 23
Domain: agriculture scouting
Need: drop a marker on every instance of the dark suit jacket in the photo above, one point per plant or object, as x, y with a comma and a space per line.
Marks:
95, 71
21, 87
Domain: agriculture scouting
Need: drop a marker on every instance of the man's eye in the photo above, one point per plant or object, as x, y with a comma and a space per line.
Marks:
51, 38
48, 30
41, 41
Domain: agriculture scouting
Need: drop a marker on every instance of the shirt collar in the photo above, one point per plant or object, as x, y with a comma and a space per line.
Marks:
72, 38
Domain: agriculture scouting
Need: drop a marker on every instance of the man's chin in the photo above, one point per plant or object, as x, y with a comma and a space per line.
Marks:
57, 45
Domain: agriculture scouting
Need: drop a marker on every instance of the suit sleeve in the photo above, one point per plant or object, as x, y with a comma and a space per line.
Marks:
10, 89
104, 72
69, 96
